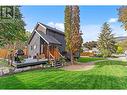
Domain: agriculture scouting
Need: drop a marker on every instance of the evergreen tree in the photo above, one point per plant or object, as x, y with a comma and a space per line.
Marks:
106, 41
72, 30
12, 29
90, 44
67, 25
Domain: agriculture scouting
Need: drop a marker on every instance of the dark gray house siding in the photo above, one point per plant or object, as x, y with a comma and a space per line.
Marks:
39, 37
34, 45
42, 42
58, 36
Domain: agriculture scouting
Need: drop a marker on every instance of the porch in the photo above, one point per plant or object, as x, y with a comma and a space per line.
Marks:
49, 47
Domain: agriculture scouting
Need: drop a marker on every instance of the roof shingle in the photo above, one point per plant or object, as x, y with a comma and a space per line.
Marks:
49, 39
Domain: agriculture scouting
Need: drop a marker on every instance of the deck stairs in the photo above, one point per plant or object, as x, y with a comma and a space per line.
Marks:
55, 59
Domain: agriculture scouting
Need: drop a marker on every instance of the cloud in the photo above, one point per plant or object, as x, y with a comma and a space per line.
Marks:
59, 26
113, 20
91, 31
117, 30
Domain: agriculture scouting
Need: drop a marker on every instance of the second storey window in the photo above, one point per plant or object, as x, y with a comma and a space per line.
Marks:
31, 48
35, 46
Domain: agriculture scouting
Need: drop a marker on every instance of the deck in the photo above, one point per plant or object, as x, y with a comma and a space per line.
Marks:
31, 62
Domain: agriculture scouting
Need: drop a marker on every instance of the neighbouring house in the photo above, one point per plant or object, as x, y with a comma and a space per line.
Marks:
47, 42
85, 49
95, 51
88, 52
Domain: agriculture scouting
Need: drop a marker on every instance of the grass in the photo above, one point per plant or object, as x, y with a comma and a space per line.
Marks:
105, 75
3, 63
89, 59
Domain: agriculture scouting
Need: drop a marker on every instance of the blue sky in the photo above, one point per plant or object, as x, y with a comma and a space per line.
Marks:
91, 19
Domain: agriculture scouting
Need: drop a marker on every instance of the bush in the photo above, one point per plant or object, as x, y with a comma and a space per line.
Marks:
62, 60
21, 58
119, 50
99, 55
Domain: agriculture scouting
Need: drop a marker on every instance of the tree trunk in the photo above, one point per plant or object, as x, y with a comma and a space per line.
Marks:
72, 58
8, 56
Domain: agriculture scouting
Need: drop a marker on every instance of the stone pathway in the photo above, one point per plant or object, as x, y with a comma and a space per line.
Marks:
81, 66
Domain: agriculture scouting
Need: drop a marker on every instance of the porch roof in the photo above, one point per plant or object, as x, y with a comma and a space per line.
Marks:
48, 39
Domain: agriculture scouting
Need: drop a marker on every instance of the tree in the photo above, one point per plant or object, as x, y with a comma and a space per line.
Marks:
123, 16
72, 30
67, 25
119, 50
12, 30
106, 41
123, 45
90, 44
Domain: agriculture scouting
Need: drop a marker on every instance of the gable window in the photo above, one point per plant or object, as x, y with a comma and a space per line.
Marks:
35, 46
31, 48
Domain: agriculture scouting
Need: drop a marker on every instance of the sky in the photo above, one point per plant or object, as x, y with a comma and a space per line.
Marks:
91, 19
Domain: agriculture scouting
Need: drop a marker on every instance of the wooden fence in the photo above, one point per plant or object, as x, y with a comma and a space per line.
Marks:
90, 54
4, 52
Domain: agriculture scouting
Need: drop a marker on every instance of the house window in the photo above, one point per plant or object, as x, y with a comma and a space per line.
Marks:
35, 46
41, 48
31, 48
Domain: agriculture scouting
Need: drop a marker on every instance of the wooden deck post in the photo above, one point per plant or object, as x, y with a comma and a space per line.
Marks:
48, 52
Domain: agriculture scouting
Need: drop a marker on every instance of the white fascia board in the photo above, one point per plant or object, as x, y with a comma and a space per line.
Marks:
42, 37
42, 25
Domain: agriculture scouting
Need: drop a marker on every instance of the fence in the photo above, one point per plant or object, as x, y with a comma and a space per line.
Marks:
4, 52
90, 54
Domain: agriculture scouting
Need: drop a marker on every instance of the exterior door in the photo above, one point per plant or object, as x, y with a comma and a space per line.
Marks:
52, 50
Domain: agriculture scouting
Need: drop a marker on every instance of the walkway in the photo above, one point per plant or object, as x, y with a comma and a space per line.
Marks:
81, 66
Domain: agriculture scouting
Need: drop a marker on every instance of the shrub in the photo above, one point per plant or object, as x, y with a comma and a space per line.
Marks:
62, 60
99, 55
119, 50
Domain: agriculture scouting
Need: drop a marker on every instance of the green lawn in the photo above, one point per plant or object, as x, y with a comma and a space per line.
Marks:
89, 59
105, 75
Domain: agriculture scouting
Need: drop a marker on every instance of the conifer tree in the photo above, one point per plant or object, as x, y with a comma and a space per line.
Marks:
106, 41
72, 30
67, 25
12, 29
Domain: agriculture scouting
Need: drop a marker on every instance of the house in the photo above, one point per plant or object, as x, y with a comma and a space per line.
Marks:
47, 42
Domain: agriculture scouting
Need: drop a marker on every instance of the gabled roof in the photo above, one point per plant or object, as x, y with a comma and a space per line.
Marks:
51, 28
48, 39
